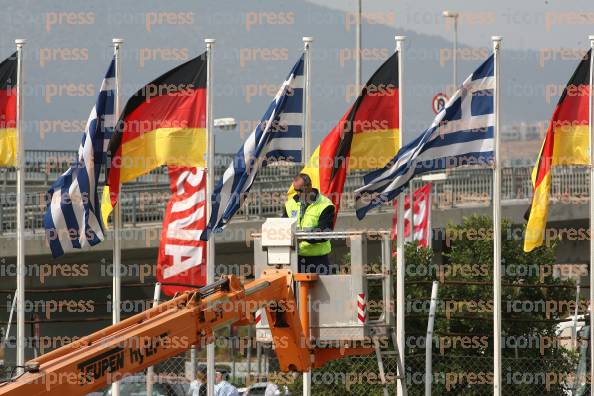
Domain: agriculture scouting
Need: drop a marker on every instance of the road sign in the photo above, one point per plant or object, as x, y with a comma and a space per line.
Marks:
439, 102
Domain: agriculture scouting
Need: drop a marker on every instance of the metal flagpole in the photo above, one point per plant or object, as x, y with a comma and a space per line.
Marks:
193, 365
151, 371
575, 315
400, 299
358, 50
306, 100
429, 225
591, 126
117, 214
307, 150
411, 206
249, 352
497, 380
429, 340
259, 357
210, 175
12, 309
20, 165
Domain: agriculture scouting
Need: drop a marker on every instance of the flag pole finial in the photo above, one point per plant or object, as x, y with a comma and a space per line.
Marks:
307, 42
496, 41
20, 42
117, 41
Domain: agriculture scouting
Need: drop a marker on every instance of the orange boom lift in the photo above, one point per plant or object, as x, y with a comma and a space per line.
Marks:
176, 325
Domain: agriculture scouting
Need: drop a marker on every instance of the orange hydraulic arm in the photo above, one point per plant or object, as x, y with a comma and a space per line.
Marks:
169, 329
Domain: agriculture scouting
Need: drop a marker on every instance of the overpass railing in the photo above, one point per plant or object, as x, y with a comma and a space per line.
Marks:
144, 200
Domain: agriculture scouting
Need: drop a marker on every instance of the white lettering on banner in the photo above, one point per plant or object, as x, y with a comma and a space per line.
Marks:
182, 255
184, 235
182, 223
188, 176
178, 252
186, 204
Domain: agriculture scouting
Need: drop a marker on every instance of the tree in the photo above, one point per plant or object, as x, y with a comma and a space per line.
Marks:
463, 341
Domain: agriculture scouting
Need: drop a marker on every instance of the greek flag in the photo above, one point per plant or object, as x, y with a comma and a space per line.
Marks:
461, 134
73, 216
278, 137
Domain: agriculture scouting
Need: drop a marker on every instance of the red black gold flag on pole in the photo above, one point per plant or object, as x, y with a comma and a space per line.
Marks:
164, 123
567, 143
8, 105
365, 138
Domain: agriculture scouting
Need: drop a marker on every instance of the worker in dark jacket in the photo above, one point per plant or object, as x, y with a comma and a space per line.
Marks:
314, 213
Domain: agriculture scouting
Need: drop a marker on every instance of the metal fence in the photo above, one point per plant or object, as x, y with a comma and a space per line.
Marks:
459, 375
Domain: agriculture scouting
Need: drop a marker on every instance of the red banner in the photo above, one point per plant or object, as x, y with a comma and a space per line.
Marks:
421, 210
182, 255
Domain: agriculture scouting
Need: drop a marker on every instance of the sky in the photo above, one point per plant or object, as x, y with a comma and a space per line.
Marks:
524, 24
258, 41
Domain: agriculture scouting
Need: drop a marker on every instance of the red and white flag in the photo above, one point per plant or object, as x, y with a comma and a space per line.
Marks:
421, 208
182, 255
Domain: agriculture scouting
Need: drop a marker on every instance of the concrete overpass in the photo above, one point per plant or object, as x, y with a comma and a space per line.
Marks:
79, 283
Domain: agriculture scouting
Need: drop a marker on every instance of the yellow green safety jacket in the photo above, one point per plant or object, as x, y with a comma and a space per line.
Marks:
309, 220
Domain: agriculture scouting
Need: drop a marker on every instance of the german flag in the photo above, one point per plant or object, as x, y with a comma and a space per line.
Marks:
567, 143
8, 104
365, 138
164, 123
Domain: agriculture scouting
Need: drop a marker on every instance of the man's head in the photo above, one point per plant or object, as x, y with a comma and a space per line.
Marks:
302, 183
201, 374
219, 375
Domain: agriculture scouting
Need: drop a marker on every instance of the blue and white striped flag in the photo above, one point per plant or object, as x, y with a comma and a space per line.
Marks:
278, 137
73, 215
461, 134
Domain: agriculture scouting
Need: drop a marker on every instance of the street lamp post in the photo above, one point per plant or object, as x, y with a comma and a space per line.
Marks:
454, 16
226, 124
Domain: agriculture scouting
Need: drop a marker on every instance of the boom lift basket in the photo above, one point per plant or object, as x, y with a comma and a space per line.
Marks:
338, 303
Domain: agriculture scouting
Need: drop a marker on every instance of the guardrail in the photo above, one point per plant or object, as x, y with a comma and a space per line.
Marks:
43, 167
144, 201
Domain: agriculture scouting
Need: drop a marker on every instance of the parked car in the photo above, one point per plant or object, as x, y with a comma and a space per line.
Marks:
260, 388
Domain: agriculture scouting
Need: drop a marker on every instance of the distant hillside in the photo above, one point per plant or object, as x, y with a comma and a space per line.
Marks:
251, 60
